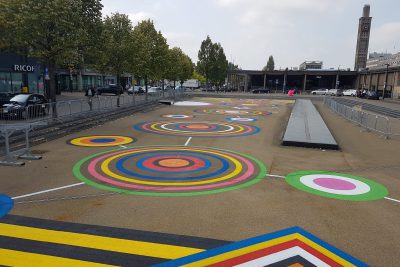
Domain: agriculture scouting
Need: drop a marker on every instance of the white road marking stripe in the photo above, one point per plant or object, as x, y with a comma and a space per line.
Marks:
392, 199
49, 190
188, 141
273, 175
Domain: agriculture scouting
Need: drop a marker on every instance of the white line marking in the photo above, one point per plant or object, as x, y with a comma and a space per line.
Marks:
188, 141
123, 146
49, 190
392, 199
273, 175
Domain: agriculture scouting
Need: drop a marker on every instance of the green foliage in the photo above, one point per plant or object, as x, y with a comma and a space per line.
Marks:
149, 52
232, 66
115, 45
270, 64
198, 76
212, 62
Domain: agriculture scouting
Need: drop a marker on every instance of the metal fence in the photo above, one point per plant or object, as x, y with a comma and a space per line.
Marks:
65, 110
388, 127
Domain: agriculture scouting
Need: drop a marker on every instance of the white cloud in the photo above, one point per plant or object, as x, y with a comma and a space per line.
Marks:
385, 38
139, 16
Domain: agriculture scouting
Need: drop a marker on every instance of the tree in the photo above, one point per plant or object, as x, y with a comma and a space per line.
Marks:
149, 52
270, 64
212, 62
185, 68
116, 45
50, 31
198, 76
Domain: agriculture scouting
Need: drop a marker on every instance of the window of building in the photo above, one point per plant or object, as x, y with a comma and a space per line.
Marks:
5, 82
16, 79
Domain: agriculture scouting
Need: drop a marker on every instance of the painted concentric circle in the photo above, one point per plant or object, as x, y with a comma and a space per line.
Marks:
337, 185
233, 112
241, 119
177, 116
101, 140
201, 129
169, 170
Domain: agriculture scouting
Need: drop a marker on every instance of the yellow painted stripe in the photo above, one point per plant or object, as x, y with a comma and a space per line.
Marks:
18, 258
273, 242
97, 242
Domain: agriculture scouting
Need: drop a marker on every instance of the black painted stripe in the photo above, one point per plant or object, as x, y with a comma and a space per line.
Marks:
78, 253
146, 236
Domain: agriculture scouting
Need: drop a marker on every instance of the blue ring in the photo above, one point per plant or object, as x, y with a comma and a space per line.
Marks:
120, 167
6, 204
102, 140
139, 164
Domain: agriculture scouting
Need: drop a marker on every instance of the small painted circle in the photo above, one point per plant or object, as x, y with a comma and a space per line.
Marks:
101, 141
337, 185
6, 204
233, 112
177, 116
200, 129
170, 170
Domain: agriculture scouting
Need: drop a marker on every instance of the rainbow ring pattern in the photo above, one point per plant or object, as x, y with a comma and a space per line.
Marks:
337, 185
233, 112
177, 116
169, 170
198, 129
289, 247
101, 140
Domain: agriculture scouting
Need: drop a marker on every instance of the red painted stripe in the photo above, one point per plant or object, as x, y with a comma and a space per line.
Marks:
274, 249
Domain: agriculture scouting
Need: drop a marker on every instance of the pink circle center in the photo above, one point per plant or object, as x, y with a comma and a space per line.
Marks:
334, 183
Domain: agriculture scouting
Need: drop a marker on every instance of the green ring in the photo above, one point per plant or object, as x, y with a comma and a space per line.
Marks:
78, 174
377, 191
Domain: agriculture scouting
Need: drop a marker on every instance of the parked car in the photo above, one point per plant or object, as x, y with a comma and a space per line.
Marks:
25, 105
154, 90
5, 97
335, 92
261, 91
135, 90
350, 92
372, 95
320, 92
110, 89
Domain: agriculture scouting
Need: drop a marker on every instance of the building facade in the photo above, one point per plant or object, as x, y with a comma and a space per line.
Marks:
381, 60
308, 65
364, 28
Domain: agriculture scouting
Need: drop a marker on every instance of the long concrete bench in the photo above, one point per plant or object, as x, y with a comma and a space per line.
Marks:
306, 128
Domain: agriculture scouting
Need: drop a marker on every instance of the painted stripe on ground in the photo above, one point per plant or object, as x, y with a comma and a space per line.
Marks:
97, 242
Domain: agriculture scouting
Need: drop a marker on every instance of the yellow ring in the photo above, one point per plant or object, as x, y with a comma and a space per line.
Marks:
78, 141
106, 170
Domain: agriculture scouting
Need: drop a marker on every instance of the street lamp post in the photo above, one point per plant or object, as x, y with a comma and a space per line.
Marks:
386, 77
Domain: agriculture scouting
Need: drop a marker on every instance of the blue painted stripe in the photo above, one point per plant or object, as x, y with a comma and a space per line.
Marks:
6, 204
259, 239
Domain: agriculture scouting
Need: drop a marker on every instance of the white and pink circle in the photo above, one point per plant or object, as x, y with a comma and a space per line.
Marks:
335, 184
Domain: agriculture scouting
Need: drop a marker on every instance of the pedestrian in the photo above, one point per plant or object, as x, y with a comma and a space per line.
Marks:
89, 93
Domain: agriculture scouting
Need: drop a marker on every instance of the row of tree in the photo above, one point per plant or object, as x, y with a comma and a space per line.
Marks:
61, 33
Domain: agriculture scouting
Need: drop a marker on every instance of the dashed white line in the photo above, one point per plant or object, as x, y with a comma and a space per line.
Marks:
277, 176
392, 199
188, 141
49, 190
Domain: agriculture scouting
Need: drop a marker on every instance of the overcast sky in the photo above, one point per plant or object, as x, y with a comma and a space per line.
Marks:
251, 30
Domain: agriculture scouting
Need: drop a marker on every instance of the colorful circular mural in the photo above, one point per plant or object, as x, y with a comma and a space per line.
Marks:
177, 116
233, 112
337, 185
101, 140
169, 170
200, 129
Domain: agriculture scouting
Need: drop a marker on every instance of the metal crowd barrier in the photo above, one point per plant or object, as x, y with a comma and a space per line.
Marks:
388, 127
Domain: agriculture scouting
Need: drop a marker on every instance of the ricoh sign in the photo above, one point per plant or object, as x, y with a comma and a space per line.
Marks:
24, 68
